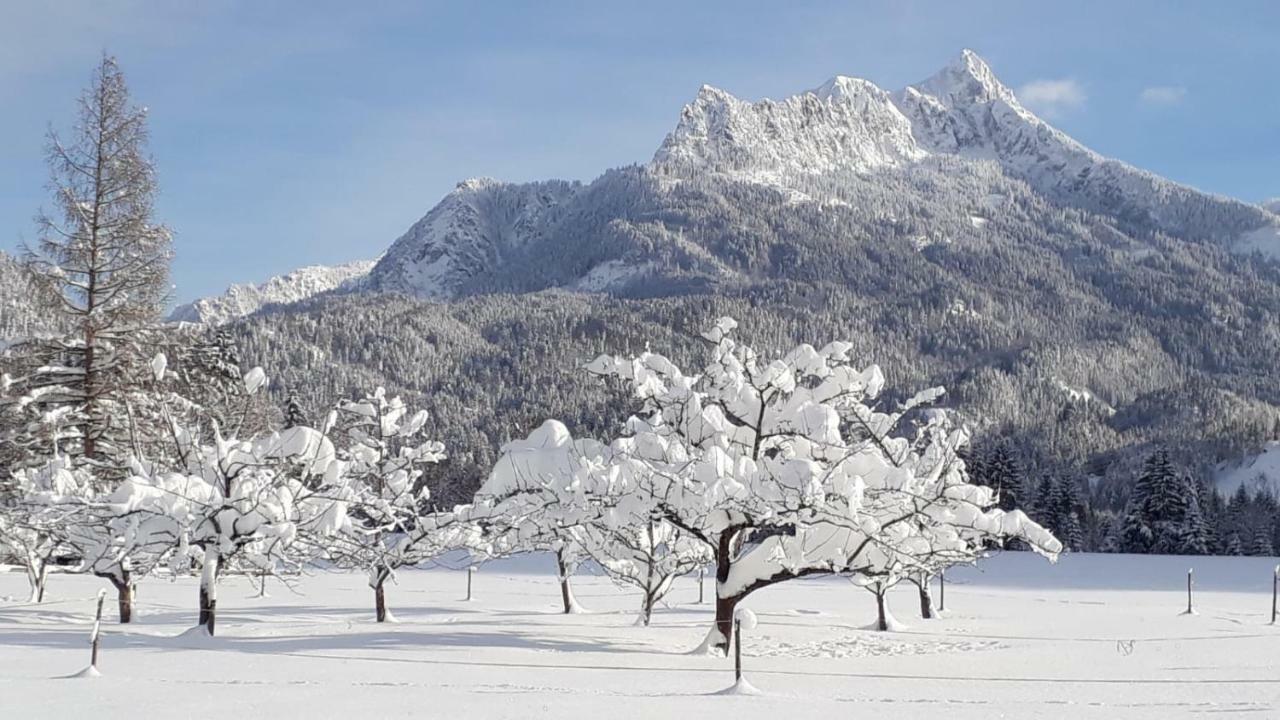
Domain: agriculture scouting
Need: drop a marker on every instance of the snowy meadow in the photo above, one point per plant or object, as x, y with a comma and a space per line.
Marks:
1096, 636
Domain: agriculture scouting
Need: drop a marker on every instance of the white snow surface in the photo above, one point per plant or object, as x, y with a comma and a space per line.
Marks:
1095, 637
245, 299
1256, 472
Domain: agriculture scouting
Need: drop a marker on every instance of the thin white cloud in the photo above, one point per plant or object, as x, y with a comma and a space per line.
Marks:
1162, 95
1052, 97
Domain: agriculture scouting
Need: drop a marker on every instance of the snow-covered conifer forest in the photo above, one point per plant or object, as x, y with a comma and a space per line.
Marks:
654, 428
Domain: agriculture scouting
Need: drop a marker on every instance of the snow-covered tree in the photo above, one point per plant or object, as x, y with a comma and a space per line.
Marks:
63, 509
539, 496
385, 459
643, 551
106, 261
784, 469
1194, 539
580, 499
33, 519
245, 501
1159, 513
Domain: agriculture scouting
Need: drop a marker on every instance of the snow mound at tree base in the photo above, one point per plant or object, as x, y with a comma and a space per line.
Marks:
741, 687
892, 624
89, 672
196, 638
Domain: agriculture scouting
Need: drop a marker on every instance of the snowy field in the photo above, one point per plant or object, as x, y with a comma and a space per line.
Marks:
1092, 637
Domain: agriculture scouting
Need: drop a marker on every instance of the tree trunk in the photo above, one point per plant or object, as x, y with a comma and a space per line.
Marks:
90, 447
926, 599
566, 592
724, 605
209, 590
37, 577
646, 609
882, 620
124, 598
380, 600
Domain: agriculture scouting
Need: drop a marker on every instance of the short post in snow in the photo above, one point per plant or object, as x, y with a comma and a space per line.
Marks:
702, 573
1190, 608
470, 572
737, 650
1275, 586
97, 631
942, 590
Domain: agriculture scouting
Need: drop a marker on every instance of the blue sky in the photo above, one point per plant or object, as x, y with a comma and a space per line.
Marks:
293, 133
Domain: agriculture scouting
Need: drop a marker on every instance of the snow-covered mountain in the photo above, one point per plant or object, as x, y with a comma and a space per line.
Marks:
478, 226
1273, 205
821, 145
243, 299
849, 125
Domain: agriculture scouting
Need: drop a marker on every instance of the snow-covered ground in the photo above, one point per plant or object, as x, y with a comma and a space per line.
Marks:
1093, 637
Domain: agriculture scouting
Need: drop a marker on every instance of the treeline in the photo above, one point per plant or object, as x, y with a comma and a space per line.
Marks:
1167, 509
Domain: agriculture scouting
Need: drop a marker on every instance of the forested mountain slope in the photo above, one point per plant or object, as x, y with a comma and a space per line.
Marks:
1078, 308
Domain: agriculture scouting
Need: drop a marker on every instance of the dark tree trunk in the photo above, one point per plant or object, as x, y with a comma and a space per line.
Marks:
124, 598
209, 591
566, 591
646, 610
724, 605
208, 610
380, 601
90, 389
926, 599
882, 620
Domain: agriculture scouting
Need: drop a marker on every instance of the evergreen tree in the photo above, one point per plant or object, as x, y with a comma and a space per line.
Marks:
1067, 509
1156, 517
1211, 512
105, 262
1194, 537
1000, 471
1262, 543
1234, 546
294, 416
1047, 510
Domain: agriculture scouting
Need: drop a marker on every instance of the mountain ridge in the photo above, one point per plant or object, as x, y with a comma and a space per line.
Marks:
810, 146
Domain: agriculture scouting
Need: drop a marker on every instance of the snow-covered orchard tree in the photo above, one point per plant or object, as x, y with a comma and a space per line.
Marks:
117, 540
105, 261
580, 499
540, 494
642, 550
63, 509
40, 505
385, 457
253, 498
246, 501
785, 469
